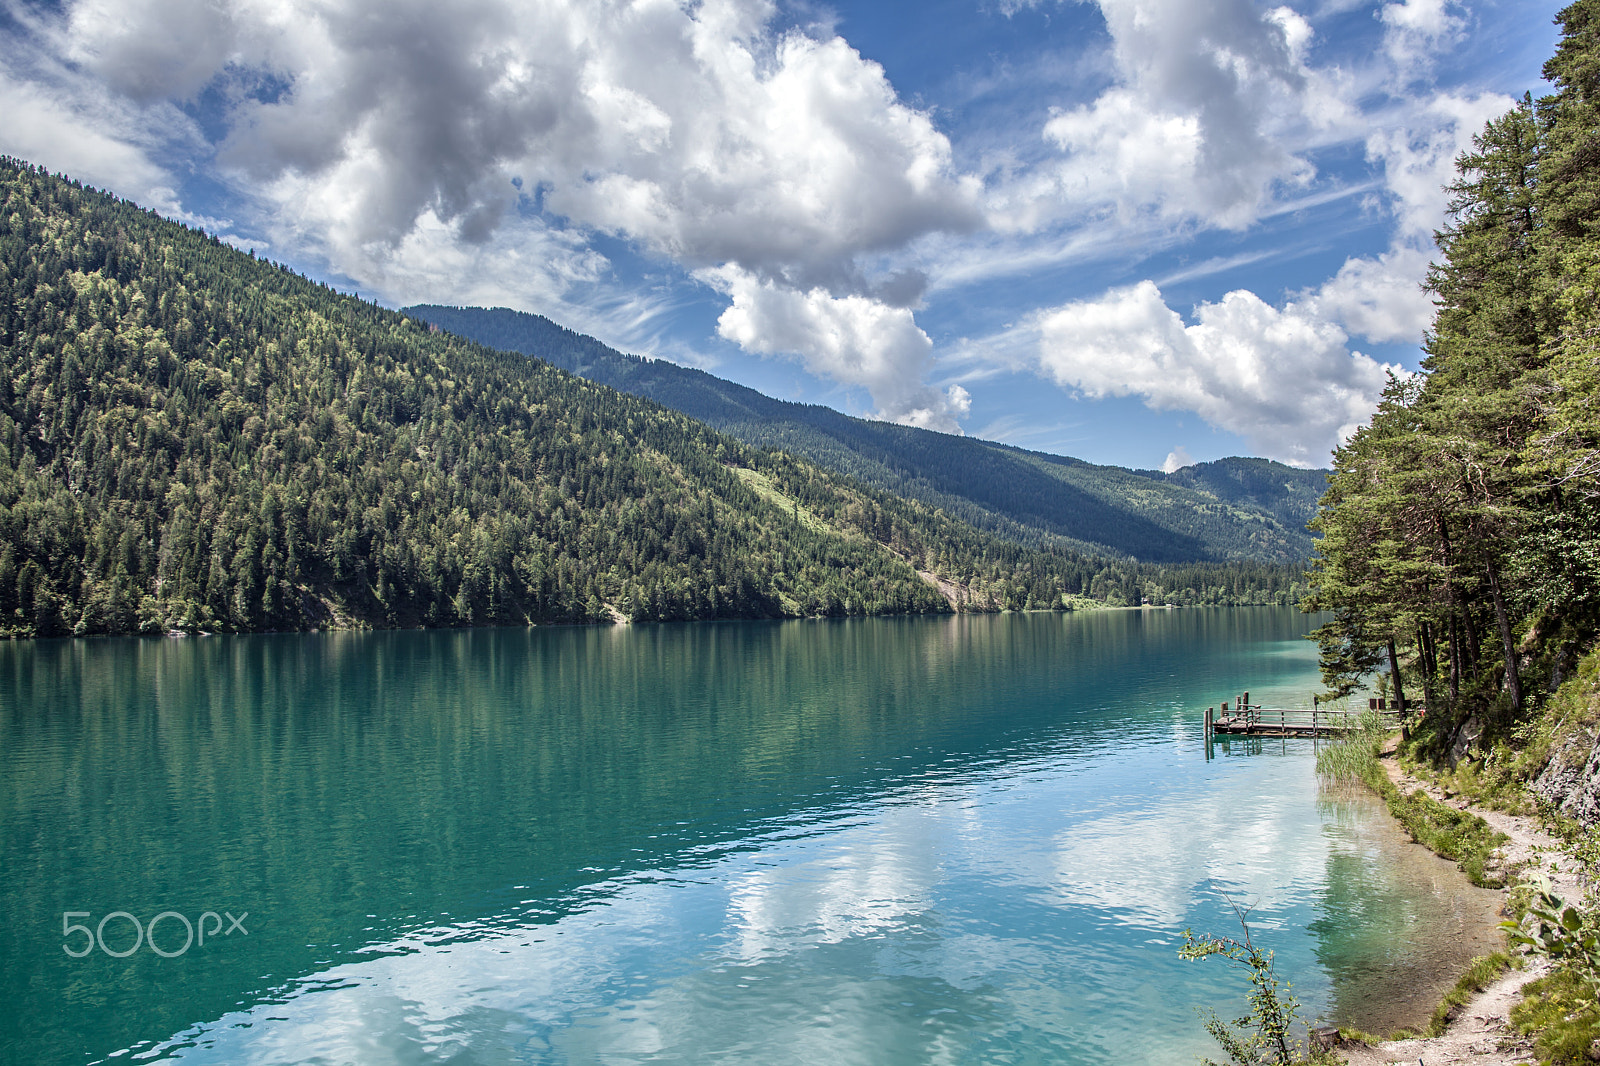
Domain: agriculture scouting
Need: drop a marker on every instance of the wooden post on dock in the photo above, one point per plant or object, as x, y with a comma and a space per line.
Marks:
1208, 721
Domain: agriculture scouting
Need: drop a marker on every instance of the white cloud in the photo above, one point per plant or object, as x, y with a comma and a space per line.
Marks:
695, 131
1283, 379
1177, 459
1416, 30
1144, 153
855, 340
1380, 298
1192, 128
474, 148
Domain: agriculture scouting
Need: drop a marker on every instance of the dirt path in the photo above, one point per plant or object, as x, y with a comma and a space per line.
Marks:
1481, 1034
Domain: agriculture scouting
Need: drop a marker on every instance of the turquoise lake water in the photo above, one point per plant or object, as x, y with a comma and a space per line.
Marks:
948, 840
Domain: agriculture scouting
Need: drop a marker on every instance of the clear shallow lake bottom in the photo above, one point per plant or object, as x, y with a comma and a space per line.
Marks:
948, 840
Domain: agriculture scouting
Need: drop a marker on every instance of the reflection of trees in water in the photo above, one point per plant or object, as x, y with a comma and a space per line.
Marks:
349, 788
1398, 924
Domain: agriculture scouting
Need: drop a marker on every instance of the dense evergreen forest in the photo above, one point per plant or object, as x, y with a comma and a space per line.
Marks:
1229, 509
191, 438
1461, 529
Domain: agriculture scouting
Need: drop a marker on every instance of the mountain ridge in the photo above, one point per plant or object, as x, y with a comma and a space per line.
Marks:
1236, 508
195, 439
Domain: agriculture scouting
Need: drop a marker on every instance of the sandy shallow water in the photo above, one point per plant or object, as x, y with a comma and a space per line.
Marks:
1424, 949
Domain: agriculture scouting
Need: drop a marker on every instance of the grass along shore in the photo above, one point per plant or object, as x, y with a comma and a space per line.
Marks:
1510, 1006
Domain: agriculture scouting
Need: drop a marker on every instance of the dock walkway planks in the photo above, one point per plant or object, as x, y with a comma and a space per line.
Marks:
1253, 720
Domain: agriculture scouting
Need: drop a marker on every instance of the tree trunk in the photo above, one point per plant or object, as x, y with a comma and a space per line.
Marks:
1394, 678
1503, 620
1470, 632
1458, 622
1455, 658
1430, 662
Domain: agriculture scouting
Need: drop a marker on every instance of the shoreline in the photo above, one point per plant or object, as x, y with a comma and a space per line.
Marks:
1479, 1032
1075, 607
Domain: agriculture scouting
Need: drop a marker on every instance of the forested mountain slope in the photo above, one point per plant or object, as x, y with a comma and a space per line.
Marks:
1231, 509
193, 438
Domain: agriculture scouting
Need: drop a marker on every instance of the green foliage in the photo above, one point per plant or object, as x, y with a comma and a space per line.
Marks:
1353, 758
1461, 528
1265, 1034
1235, 509
191, 438
1563, 1008
1563, 1034
1553, 927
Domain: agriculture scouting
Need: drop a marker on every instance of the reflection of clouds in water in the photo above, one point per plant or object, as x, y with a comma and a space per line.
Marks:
1148, 866
866, 878
603, 981
872, 872
925, 929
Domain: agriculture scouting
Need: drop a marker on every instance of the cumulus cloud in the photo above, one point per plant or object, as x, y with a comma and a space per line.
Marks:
692, 130
852, 339
1282, 378
378, 133
1191, 127
1145, 153
1416, 30
1177, 459
1378, 297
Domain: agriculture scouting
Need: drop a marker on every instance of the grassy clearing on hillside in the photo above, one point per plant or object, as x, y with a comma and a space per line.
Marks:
762, 485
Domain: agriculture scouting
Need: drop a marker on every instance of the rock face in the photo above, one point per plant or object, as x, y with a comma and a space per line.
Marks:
1571, 779
1467, 736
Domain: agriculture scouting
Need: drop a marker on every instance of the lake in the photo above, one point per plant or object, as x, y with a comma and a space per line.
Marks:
915, 840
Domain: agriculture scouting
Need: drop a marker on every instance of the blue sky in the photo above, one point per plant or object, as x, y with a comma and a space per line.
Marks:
1138, 232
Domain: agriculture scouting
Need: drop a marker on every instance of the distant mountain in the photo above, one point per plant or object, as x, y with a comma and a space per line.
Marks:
1229, 509
193, 438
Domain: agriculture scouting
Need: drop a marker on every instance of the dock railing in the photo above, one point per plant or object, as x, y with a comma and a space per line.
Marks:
1246, 718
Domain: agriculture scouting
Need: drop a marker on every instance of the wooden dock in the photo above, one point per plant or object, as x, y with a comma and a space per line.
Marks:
1246, 719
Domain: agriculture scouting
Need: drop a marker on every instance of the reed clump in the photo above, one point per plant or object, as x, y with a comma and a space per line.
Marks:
1353, 758
1445, 831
